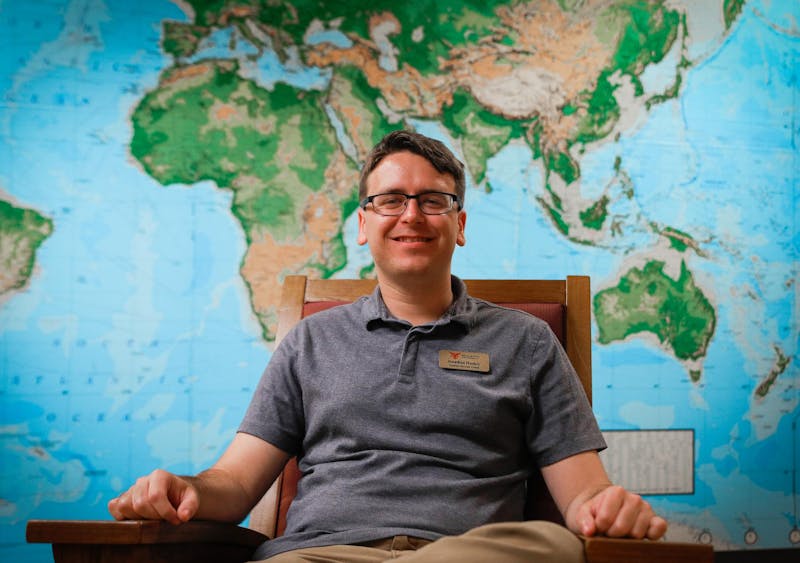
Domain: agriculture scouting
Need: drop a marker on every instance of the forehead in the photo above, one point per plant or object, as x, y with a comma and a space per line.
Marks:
408, 172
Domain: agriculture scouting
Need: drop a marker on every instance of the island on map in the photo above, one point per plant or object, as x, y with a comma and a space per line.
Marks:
647, 300
22, 231
782, 361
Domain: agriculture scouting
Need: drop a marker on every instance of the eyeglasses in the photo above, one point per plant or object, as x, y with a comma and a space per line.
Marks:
430, 203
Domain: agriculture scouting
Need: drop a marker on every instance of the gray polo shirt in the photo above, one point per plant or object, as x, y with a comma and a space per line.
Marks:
424, 430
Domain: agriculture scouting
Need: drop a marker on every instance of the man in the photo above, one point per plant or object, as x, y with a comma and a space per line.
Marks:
401, 453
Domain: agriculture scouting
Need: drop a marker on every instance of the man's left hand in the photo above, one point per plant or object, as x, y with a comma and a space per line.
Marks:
617, 513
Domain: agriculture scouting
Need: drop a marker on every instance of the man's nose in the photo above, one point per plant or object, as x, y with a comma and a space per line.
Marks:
412, 211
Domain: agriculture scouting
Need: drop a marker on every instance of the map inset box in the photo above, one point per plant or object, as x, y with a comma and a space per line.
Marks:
651, 462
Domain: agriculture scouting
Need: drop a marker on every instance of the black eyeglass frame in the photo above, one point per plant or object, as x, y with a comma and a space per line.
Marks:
454, 201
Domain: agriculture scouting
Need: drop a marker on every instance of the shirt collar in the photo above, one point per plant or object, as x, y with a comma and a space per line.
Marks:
461, 311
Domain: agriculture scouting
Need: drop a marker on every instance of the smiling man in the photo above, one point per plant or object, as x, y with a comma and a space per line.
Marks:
412, 218
405, 452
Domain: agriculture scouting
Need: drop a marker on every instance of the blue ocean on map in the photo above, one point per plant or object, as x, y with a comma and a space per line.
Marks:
117, 228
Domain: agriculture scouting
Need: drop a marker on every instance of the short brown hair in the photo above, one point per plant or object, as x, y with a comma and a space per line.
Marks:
432, 150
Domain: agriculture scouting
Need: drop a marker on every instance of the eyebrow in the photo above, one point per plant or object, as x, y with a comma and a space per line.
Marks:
424, 191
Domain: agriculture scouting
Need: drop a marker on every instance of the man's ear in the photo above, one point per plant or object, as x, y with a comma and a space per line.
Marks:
362, 232
461, 239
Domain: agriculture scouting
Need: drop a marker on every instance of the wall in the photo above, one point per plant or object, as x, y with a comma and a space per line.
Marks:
163, 167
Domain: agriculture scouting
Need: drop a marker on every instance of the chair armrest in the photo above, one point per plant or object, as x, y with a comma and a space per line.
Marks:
134, 541
613, 550
144, 540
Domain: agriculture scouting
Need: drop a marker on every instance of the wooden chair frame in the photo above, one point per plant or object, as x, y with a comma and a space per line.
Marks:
198, 541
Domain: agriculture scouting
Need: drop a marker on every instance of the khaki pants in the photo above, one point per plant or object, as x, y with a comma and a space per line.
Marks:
508, 542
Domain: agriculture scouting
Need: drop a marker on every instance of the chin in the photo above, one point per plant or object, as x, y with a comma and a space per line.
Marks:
414, 269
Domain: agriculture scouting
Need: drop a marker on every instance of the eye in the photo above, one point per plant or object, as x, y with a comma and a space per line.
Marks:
389, 200
435, 201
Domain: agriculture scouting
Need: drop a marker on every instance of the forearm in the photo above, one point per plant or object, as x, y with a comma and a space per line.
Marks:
221, 497
237, 481
224, 493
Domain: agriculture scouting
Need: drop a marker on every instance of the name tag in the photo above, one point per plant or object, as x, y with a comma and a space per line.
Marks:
468, 361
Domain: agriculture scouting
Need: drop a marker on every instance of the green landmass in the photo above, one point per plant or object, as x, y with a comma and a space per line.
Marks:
272, 150
367, 271
564, 165
647, 32
556, 208
679, 240
643, 32
673, 90
555, 215
22, 232
275, 153
731, 10
782, 361
181, 39
648, 35
349, 88
336, 258
349, 205
594, 216
602, 111
647, 300
482, 132
670, 93
430, 27
570, 5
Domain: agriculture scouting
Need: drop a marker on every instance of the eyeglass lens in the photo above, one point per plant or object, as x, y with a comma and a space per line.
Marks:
433, 203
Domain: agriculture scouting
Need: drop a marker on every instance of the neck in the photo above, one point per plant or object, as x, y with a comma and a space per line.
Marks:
417, 301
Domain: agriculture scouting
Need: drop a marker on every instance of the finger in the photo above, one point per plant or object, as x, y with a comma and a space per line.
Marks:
657, 529
628, 515
113, 509
139, 499
116, 507
642, 517
159, 496
122, 507
607, 506
585, 520
188, 505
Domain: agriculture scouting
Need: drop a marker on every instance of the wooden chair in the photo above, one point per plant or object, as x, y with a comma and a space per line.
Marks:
564, 304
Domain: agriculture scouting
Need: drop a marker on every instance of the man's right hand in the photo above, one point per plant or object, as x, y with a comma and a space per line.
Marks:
158, 496
228, 490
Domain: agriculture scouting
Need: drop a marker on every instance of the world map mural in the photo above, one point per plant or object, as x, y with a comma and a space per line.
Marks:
164, 165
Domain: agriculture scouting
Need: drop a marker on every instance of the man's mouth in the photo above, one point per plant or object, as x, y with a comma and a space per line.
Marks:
412, 239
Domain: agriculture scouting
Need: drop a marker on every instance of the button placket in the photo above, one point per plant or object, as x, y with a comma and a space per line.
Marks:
408, 361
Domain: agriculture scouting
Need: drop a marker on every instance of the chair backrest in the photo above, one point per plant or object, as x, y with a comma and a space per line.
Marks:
564, 304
